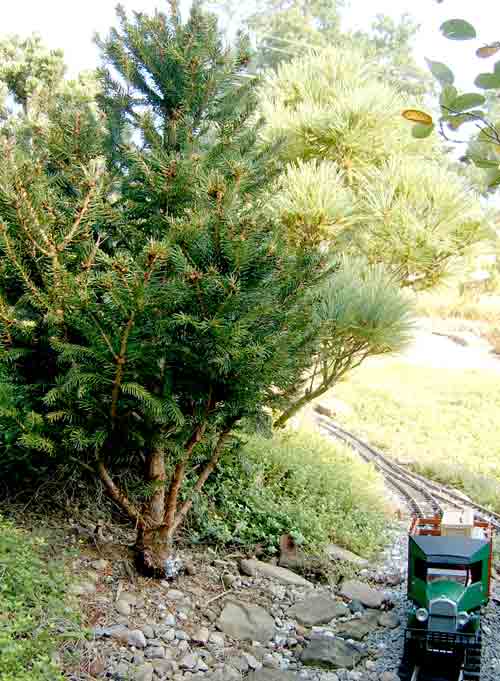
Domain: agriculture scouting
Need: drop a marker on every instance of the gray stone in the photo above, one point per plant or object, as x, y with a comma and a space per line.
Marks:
175, 595
257, 568
83, 589
201, 636
239, 663
169, 620
189, 661
123, 607
155, 652
202, 666
122, 671
163, 667
148, 631
181, 635
136, 638
331, 652
230, 673
252, 662
129, 598
356, 606
389, 676
246, 622
217, 639
268, 674
271, 661
168, 635
144, 673
317, 610
360, 591
389, 619
335, 552
358, 628
100, 564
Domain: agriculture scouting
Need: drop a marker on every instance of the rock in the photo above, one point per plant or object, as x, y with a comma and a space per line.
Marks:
389, 676
228, 580
155, 652
353, 589
271, 661
317, 610
129, 598
257, 568
163, 667
144, 673
189, 661
123, 607
201, 636
335, 552
331, 652
181, 635
99, 565
169, 620
358, 628
239, 663
252, 662
246, 622
202, 666
217, 639
83, 589
175, 595
356, 606
136, 638
389, 620
272, 675
148, 631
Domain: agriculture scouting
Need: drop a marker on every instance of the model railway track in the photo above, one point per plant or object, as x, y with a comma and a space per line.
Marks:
422, 496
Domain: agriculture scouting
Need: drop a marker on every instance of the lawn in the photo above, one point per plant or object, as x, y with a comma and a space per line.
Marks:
444, 423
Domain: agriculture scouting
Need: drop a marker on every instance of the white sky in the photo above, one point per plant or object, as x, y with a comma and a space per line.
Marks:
70, 25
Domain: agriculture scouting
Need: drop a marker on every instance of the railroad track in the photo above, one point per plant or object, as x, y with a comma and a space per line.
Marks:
423, 497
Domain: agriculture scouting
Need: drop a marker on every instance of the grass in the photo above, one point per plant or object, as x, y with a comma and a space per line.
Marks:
444, 423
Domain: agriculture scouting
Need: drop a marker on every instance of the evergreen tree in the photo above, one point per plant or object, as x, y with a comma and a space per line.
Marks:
162, 308
356, 183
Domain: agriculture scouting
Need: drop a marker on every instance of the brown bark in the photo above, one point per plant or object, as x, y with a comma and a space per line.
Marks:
168, 529
204, 475
117, 494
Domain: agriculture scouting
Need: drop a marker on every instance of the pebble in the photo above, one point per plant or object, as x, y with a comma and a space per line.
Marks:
201, 636
123, 607
136, 638
189, 661
144, 673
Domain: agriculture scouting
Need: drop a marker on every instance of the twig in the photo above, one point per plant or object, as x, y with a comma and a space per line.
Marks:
215, 598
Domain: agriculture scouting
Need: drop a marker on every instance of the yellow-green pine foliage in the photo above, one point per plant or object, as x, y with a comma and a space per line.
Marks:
356, 177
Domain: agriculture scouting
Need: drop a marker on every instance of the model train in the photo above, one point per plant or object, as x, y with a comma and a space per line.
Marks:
449, 575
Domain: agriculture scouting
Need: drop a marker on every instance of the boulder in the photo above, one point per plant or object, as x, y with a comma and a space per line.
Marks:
354, 590
335, 552
257, 568
331, 652
358, 628
246, 622
317, 610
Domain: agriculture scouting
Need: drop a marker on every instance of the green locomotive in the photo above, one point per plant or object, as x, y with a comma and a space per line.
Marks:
449, 574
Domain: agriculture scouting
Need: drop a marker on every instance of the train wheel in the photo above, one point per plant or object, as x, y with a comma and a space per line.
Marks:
407, 664
472, 661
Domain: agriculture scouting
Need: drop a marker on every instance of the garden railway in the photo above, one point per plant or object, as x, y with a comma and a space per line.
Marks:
423, 497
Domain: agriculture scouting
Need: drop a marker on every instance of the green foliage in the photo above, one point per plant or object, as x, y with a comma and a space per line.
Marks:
294, 483
33, 610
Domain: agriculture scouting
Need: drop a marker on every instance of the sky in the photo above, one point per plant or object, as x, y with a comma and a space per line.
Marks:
70, 25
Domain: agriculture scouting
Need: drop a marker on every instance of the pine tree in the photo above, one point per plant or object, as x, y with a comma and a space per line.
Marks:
164, 297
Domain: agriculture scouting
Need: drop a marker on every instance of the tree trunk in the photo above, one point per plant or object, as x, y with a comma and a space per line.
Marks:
298, 404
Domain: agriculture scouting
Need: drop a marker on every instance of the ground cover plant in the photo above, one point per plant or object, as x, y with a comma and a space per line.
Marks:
296, 483
33, 608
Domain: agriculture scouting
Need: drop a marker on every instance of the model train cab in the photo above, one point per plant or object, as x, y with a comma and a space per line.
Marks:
449, 572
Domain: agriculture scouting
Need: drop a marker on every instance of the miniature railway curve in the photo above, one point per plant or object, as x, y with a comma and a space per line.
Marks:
423, 497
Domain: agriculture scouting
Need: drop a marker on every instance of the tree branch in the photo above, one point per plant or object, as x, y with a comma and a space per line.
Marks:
116, 493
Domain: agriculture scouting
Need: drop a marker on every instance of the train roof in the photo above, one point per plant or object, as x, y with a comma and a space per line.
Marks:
449, 549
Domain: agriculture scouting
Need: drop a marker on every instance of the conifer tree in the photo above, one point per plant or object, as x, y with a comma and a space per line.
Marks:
163, 300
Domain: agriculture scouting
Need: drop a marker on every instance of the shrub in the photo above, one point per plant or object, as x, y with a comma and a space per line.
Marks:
32, 608
294, 483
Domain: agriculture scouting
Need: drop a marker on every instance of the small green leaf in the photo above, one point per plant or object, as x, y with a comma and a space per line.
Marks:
454, 122
458, 29
488, 81
441, 72
420, 130
467, 101
484, 162
448, 95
